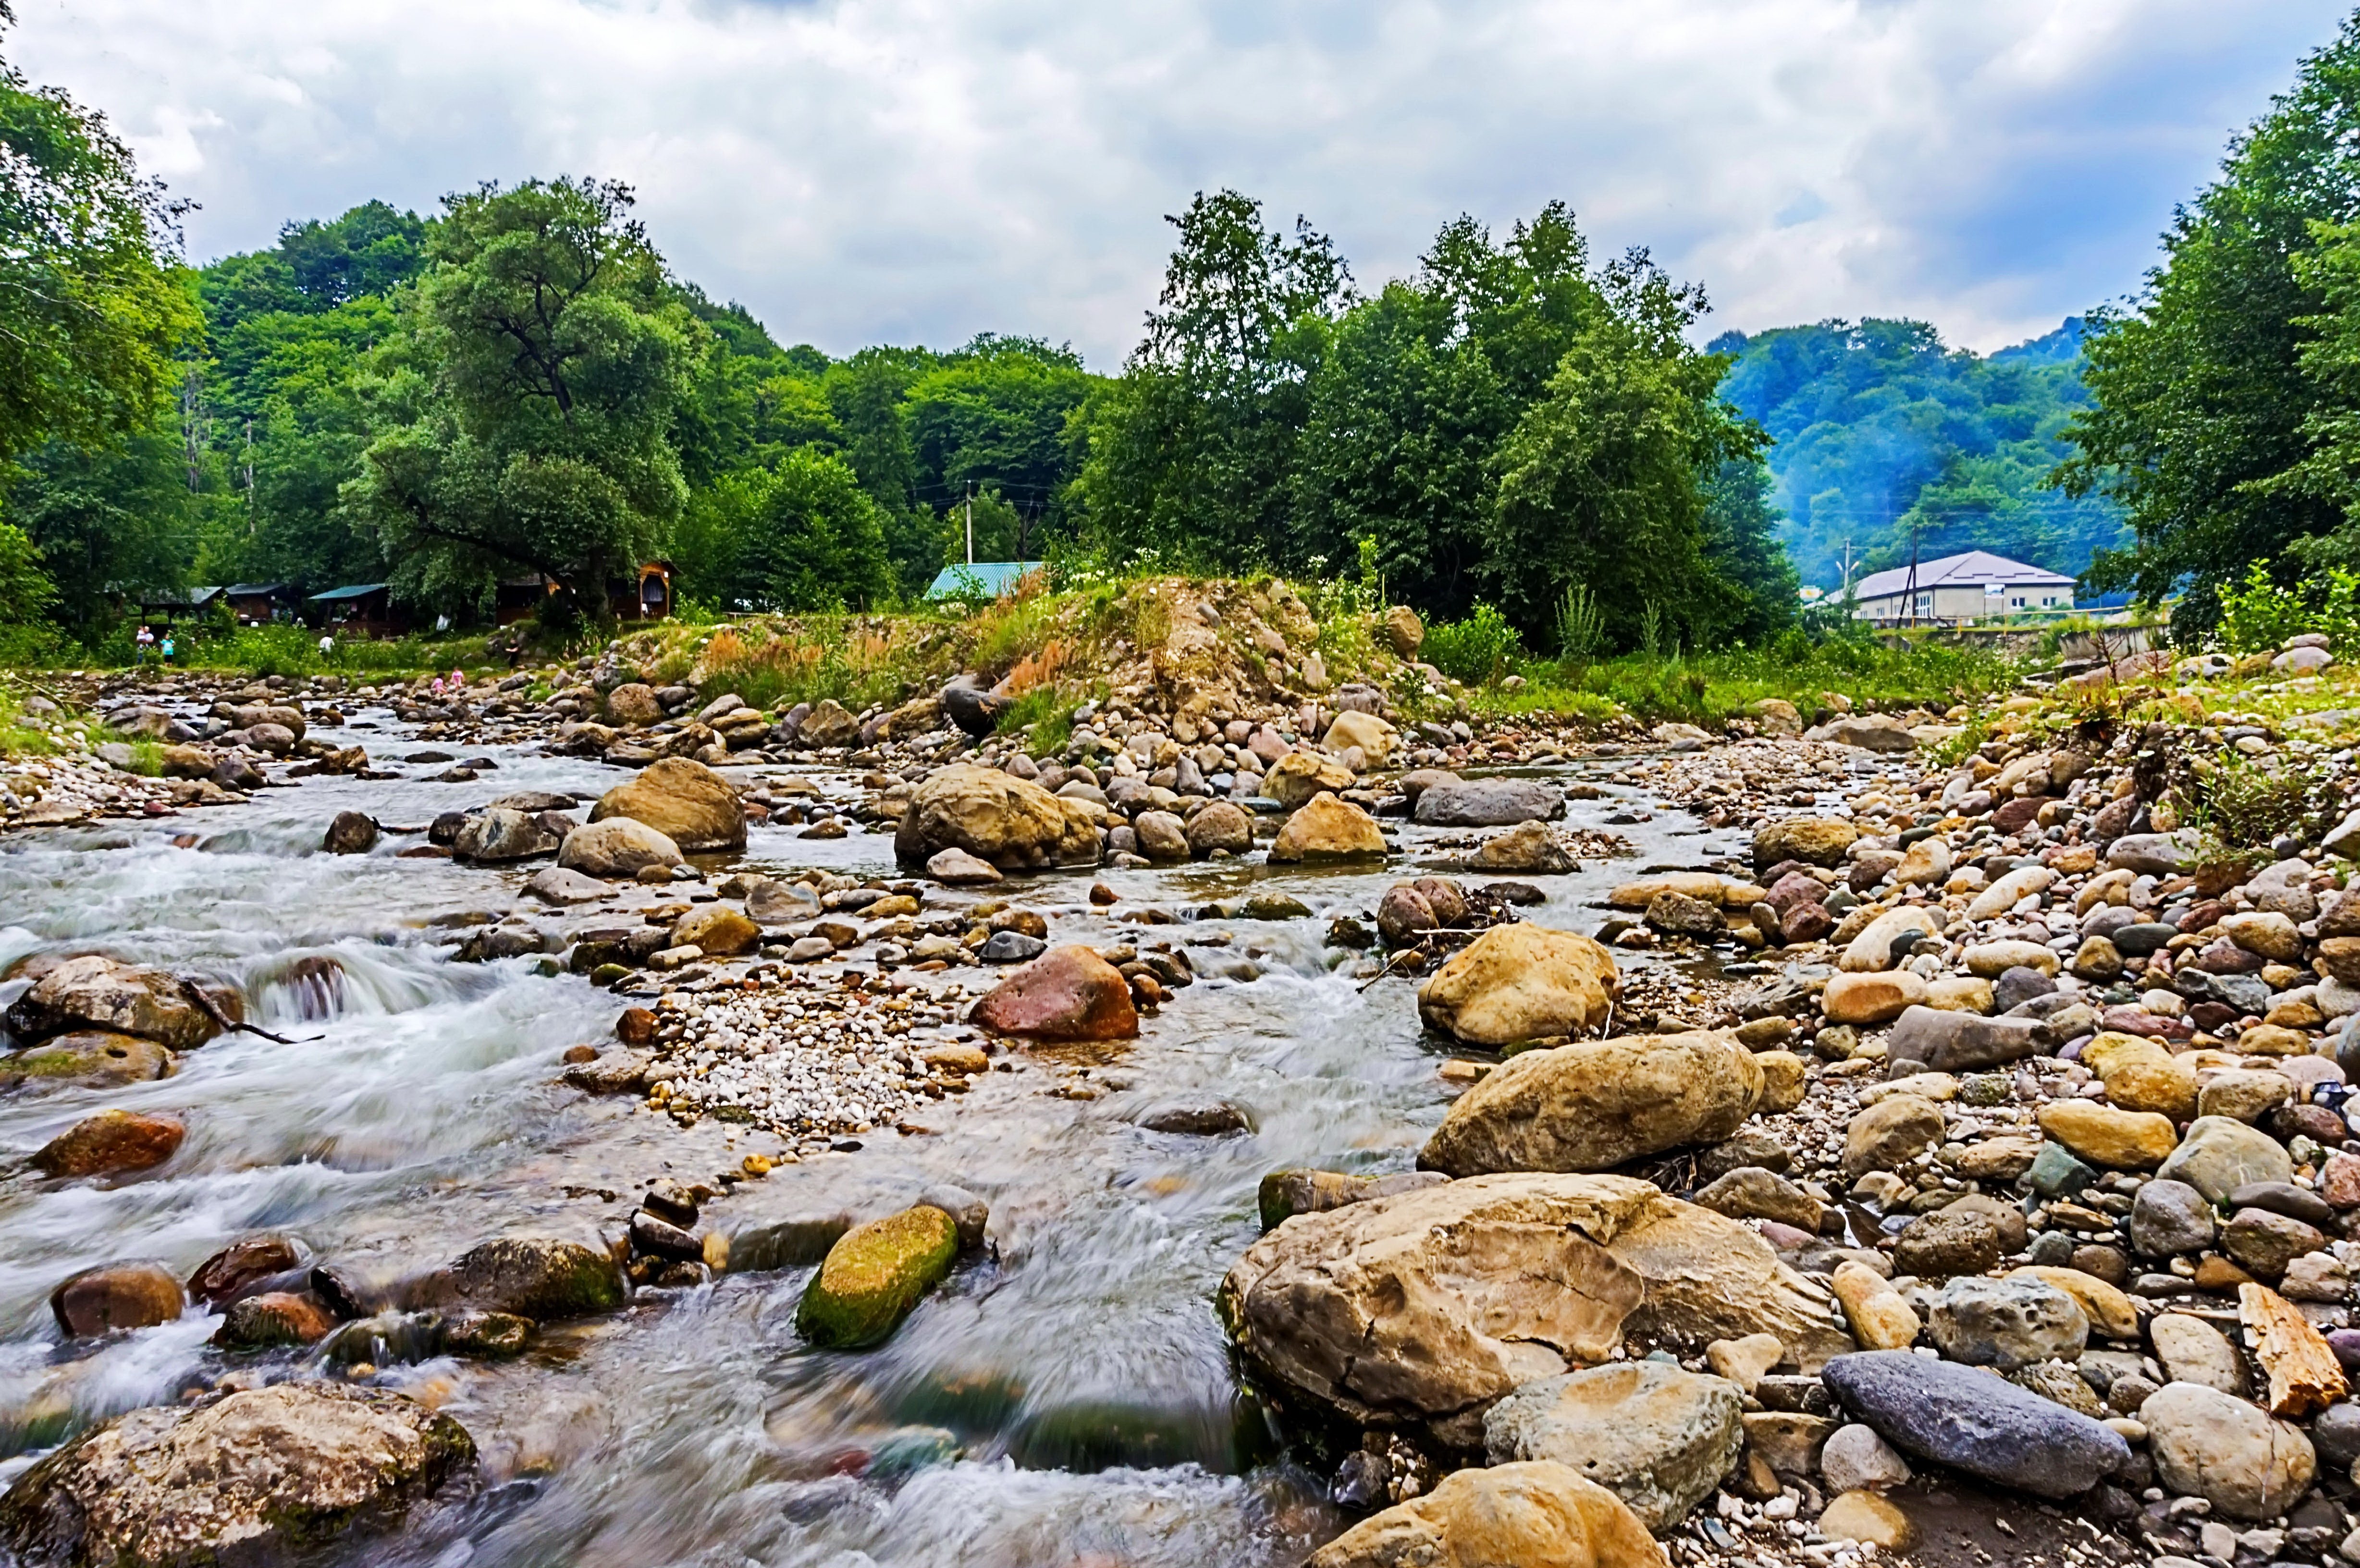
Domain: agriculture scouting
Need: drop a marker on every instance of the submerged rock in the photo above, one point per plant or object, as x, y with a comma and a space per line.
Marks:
117, 1295
257, 1476
88, 1057
538, 1278
109, 1143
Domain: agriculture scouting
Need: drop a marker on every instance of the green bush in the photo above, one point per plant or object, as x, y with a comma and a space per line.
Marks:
2259, 617
1475, 650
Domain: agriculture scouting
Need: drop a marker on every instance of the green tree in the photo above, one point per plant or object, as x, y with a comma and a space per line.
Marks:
803, 535
1742, 548
1192, 450
543, 364
2202, 399
92, 310
1416, 390
1601, 483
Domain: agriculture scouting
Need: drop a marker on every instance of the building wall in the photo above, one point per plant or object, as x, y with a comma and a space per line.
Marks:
1967, 602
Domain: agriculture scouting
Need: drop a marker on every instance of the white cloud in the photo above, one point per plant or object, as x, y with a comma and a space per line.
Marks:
864, 170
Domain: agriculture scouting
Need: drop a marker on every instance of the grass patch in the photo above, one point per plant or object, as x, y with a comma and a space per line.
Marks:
1708, 688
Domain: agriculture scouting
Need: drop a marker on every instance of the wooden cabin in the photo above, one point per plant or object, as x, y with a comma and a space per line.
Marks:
260, 603
360, 609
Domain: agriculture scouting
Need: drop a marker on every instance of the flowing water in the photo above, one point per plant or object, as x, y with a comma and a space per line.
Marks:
1065, 1399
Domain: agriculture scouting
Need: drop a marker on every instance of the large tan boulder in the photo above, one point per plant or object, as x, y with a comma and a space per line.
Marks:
1538, 1511
1872, 998
1404, 630
1013, 823
1426, 1307
1299, 775
1520, 983
96, 994
1597, 1105
685, 802
1352, 728
1327, 829
1816, 840
617, 847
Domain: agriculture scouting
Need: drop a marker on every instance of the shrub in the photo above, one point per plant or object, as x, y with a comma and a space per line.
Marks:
2259, 616
2245, 806
1475, 650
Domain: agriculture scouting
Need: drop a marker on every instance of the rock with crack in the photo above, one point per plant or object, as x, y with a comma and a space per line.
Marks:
1425, 1308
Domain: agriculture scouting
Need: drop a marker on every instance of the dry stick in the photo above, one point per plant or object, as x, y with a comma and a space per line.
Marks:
212, 1010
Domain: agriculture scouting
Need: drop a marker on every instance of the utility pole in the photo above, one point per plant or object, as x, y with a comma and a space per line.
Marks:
970, 522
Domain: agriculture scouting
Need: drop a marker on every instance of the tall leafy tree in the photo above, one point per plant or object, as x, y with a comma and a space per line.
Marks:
1193, 450
803, 534
91, 309
544, 361
2203, 396
1602, 482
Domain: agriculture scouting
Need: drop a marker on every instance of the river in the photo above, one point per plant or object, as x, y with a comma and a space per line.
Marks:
1067, 1399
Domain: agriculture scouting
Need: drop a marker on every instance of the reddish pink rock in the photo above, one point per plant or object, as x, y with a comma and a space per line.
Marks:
1067, 993
2339, 1183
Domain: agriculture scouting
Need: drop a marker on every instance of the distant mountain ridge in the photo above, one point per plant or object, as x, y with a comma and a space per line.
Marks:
1885, 435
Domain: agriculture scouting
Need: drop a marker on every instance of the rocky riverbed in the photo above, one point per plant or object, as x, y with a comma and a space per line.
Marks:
594, 1118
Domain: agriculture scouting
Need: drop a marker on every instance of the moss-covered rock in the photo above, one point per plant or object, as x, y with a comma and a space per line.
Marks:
875, 1274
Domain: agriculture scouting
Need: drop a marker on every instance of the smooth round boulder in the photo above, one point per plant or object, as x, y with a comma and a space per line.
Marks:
351, 833
111, 1143
1013, 823
1325, 827
1162, 837
1294, 779
1597, 1105
874, 1277
1815, 841
1520, 983
617, 849
116, 1295
1657, 1437
1532, 1512
1222, 825
685, 800
2219, 1154
1066, 994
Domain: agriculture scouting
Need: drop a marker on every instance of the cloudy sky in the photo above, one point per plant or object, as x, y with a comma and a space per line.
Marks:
918, 171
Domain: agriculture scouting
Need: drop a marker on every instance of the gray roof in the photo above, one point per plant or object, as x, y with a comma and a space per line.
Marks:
1975, 569
355, 591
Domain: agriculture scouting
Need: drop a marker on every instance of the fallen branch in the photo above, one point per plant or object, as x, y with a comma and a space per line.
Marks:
212, 1009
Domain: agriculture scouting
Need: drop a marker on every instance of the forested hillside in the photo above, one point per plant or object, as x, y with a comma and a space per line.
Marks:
1885, 438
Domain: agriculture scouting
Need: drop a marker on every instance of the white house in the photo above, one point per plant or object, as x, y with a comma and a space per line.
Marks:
1959, 589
